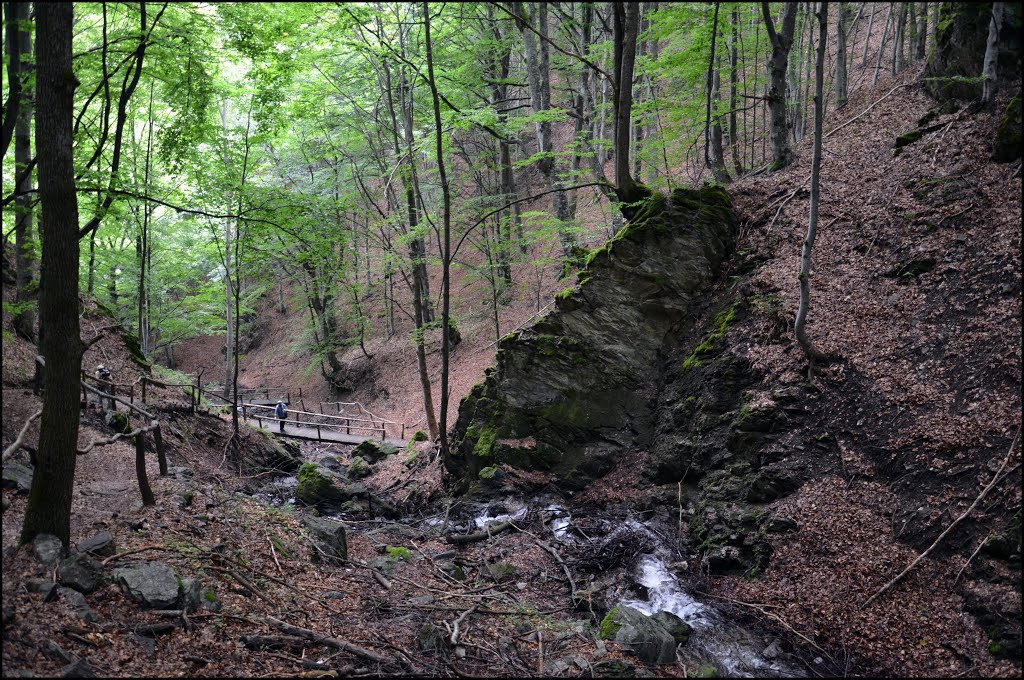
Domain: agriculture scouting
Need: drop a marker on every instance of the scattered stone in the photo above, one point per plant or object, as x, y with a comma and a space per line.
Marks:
331, 463
780, 525
47, 588
679, 630
359, 468
430, 638
641, 634
192, 594
6, 503
148, 644
153, 584
55, 651
80, 572
209, 601
17, 476
723, 560
135, 524
48, 549
78, 669
373, 451
329, 536
76, 601
101, 544
502, 571
614, 668
773, 650
184, 499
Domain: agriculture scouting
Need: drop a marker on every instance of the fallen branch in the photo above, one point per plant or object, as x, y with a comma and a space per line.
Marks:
455, 626
246, 583
558, 558
132, 552
9, 451
104, 395
117, 437
984, 492
307, 634
487, 532
973, 555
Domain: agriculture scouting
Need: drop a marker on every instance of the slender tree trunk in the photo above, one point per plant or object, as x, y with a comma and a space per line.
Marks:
805, 256
446, 208
795, 79
19, 44
842, 87
49, 504
912, 32
922, 30
781, 43
713, 157
990, 69
735, 147
867, 38
881, 47
142, 245
625, 28
897, 45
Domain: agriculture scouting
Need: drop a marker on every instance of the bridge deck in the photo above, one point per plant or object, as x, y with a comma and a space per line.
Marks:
309, 432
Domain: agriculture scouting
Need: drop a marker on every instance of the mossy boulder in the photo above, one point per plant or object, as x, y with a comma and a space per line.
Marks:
359, 468
373, 452
953, 68
1006, 146
640, 634
320, 488
569, 395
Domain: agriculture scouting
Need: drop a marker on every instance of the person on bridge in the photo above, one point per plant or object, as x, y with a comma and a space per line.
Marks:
281, 411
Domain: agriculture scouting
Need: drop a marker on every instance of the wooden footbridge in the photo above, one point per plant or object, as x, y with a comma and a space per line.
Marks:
320, 426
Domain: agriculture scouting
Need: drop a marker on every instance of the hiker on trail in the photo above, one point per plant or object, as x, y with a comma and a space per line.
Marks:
281, 411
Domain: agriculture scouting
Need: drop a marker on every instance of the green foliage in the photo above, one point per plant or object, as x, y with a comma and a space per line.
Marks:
399, 552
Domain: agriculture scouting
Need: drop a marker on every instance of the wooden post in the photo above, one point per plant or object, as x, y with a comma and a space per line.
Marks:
259, 421
318, 431
143, 389
302, 403
348, 429
338, 404
321, 408
403, 431
131, 394
140, 470
161, 458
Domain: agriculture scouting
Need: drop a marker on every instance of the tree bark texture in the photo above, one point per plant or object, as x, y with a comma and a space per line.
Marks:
990, 70
49, 503
781, 42
626, 27
19, 45
800, 326
842, 87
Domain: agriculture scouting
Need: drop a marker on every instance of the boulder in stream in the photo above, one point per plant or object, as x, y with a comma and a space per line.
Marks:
642, 635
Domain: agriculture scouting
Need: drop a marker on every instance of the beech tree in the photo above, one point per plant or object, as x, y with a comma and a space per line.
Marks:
781, 41
49, 502
800, 327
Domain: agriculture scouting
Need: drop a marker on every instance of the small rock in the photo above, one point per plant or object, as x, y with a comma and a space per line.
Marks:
192, 597
430, 638
55, 651
6, 503
154, 584
48, 549
329, 536
80, 572
78, 669
135, 524
780, 525
676, 627
148, 644
772, 651
17, 476
100, 544
47, 588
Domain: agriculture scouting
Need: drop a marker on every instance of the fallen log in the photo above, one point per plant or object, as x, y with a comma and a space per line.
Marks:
484, 534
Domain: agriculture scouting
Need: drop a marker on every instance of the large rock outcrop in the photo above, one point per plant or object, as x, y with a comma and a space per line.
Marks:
574, 392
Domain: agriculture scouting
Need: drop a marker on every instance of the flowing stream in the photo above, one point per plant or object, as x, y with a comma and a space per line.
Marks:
716, 641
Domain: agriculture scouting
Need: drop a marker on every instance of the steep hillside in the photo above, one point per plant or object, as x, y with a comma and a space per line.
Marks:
809, 492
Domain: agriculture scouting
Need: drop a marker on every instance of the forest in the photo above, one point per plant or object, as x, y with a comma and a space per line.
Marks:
511, 339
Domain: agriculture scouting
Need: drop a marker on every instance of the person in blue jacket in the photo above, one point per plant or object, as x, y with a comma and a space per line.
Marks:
281, 411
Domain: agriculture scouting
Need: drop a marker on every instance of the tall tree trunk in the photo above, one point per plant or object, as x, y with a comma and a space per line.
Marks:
800, 328
49, 503
142, 244
734, 134
539, 82
867, 38
842, 87
781, 42
446, 209
881, 47
19, 110
795, 79
626, 26
897, 45
713, 156
990, 70
922, 30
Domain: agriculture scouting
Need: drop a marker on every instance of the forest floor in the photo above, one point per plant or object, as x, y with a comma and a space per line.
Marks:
917, 290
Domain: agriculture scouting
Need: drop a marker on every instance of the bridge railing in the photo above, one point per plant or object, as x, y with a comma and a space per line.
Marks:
397, 427
320, 421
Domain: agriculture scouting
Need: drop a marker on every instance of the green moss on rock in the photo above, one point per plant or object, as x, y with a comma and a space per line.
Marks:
1007, 144
609, 629
723, 320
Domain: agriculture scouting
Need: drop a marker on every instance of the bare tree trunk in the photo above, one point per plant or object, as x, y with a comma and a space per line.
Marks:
922, 30
19, 44
842, 87
781, 43
805, 256
897, 46
881, 47
49, 503
734, 137
713, 157
867, 38
990, 70
446, 209
626, 23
